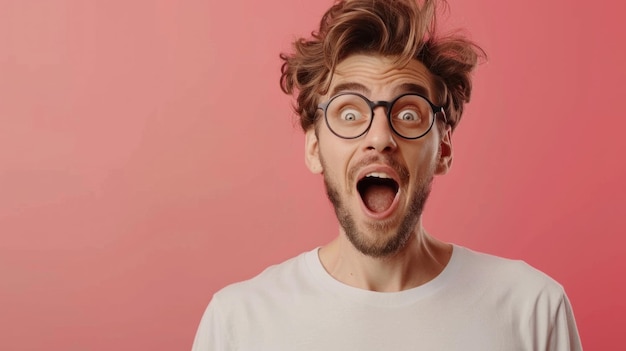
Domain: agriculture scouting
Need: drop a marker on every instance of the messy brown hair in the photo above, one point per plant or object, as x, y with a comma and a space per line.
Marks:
401, 29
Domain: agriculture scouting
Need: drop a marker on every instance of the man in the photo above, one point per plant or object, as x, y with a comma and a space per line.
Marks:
379, 94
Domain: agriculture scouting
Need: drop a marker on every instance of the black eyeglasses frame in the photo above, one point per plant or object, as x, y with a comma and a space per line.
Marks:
437, 110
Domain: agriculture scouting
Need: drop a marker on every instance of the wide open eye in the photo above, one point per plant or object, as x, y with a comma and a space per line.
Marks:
350, 114
409, 115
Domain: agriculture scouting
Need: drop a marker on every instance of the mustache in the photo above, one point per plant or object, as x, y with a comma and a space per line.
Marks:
388, 160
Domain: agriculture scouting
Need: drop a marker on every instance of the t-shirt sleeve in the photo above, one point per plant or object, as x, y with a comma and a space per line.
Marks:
564, 335
211, 334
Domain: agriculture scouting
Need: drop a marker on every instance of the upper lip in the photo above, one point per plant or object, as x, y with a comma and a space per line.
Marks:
382, 169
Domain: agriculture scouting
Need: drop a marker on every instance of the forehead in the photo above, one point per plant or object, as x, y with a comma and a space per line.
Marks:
379, 77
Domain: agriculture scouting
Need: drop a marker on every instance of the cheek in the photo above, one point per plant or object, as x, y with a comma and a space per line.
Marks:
335, 160
424, 159
329, 158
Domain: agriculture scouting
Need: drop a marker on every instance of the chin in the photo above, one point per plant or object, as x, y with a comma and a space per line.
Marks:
378, 244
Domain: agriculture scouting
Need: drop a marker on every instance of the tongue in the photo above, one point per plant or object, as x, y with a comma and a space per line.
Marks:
378, 198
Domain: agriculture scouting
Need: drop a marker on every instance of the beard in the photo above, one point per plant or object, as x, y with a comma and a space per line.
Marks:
382, 245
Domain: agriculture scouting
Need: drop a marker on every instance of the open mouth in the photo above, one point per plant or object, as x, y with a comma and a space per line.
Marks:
378, 190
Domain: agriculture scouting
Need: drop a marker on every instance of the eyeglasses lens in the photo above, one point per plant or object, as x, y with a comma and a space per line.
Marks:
350, 115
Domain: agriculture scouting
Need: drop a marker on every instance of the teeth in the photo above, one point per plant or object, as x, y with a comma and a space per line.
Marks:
378, 175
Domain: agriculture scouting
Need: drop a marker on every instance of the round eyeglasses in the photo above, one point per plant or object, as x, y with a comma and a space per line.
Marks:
350, 115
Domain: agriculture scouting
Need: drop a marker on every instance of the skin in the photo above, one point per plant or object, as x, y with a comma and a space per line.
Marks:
419, 257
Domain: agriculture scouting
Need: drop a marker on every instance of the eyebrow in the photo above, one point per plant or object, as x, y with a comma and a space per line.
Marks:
350, 86
412, 88
360, 88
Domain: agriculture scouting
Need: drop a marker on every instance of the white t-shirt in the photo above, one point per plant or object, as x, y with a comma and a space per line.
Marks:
478, 302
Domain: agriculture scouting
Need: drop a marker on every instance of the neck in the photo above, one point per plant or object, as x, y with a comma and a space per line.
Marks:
418, 262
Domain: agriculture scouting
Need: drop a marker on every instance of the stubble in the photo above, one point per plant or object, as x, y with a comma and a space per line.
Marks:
379, 242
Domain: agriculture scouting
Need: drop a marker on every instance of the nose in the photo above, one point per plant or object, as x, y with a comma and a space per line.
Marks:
380, 136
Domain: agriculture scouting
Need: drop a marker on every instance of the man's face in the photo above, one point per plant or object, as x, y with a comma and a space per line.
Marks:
379, 182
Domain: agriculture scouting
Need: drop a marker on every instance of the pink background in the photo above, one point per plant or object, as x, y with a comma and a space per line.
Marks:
148, 158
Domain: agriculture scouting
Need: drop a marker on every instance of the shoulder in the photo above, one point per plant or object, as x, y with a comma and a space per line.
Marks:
275, 280
504, 271
239, 307
529, 303
513, 279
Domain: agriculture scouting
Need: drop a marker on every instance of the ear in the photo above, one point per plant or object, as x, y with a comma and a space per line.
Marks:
445, 151
312, 152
